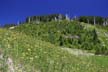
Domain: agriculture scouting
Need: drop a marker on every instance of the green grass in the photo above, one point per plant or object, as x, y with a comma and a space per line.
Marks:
35, 55
101, 61
102, 33
63, 33
31, 49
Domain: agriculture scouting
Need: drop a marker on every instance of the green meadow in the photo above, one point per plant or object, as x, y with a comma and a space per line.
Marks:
38, 47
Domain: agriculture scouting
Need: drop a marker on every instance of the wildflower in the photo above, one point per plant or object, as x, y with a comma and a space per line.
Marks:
29, 49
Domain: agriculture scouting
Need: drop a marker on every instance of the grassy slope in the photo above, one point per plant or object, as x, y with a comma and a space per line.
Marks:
62, 34
102, 33
33, 54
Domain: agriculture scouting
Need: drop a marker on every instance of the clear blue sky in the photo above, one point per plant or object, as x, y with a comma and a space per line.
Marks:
13, 10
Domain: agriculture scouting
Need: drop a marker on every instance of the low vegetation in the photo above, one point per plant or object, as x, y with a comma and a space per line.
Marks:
38, 47
32, 55
64, 33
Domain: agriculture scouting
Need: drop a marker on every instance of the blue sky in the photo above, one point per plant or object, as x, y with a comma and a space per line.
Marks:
12, 11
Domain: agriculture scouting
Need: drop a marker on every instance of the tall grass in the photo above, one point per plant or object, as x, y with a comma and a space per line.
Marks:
32, 55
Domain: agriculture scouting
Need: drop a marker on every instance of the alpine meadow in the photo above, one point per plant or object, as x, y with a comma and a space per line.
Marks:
55, 43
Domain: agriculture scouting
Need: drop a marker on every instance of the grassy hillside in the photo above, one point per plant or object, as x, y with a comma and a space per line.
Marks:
68, 34
31, 55
102, 33
37, 48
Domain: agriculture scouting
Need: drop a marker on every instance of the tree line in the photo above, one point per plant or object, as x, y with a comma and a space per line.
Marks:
45, 18
94, 20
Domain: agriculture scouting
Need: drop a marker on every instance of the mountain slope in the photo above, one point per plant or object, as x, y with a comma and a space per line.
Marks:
71, 34
33, 48
32, 55
102, 33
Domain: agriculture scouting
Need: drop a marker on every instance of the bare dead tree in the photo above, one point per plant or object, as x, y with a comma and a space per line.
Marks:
94, 20
88, 21
67, 17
